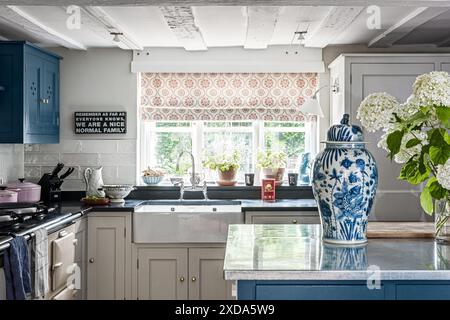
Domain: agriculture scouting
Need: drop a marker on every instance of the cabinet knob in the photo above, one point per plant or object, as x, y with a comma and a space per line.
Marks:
91, 260
181, 279
194, 279
294, 221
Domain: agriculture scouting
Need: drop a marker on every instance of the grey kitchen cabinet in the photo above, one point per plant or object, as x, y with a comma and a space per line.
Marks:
206, 280
359, 75
162, 274
179, 272
109, 256
282, 217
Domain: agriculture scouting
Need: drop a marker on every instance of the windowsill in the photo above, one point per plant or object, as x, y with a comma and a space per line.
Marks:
214, 186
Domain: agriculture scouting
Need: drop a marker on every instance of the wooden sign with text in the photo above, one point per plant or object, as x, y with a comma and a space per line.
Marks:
111, 122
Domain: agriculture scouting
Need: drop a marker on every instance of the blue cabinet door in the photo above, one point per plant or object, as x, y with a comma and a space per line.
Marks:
41, 100
33, 75
11, 113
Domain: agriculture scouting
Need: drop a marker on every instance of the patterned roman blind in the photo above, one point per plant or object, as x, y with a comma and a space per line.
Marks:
225, 96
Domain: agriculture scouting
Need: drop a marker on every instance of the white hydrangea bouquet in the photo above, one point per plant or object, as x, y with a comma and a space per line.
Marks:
416, 134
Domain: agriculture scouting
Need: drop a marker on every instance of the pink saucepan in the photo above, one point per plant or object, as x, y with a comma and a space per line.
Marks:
7, 196
26, 191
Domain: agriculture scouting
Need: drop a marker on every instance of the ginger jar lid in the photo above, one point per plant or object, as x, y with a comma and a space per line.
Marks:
345, 132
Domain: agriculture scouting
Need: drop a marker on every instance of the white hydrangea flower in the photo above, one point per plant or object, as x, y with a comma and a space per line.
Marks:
443, 175
433, 89
375, 111
408, 108
407, 153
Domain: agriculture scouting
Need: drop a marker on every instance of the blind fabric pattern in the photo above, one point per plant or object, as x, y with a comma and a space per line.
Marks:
225, 96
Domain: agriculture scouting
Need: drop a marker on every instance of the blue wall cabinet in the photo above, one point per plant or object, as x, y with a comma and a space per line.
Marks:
29, 94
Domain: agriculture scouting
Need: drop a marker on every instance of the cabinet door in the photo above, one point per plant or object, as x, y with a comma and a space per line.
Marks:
162, 273
395, 79
33, 78
41, 100
49, 110
11, 112
283, 219
206, 280
106, 258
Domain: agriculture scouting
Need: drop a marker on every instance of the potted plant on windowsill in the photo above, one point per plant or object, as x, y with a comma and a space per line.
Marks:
226, 165
272, 164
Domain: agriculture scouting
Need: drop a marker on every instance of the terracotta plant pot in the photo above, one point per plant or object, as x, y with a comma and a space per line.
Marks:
277, 174
227, 178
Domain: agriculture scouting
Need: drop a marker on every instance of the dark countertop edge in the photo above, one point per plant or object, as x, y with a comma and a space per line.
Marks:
251, 205
168, 187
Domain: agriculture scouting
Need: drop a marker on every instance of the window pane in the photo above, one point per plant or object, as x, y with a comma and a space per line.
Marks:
168, 147
284, 124
292, 143
216, 143
172, 124
215, 124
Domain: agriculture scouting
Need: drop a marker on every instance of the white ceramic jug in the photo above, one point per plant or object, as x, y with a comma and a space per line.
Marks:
94, 181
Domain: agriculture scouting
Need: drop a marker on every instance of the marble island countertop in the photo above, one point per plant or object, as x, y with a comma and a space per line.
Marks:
296, 252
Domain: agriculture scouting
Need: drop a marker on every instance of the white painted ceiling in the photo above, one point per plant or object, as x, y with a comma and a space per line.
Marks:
201, 27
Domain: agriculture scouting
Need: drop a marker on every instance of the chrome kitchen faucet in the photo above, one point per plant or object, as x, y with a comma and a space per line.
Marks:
193, 179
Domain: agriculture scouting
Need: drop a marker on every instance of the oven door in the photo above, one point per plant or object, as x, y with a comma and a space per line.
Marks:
63, 259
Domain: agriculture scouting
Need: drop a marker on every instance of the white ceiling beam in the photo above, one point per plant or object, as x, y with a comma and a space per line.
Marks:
261, 23
127, 41
337, 20
407, 24
181, 21
16, 16
363, 3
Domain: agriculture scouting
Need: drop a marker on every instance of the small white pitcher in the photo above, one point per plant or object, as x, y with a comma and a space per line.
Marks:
94, 182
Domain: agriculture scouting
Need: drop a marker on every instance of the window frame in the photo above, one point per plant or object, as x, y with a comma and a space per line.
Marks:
148, 130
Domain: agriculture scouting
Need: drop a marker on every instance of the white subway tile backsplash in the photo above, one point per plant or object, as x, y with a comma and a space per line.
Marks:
35, 158
118, 159
32, 172
81, 159
65, 146
126, 146
99, 146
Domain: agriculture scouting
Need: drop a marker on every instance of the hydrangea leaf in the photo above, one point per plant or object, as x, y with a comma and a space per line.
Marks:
426, 201
414, 172
443, 114
412, 143
394, 141
439, 155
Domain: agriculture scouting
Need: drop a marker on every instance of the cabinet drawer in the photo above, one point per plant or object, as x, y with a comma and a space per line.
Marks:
318, 292
284, 219
423, 292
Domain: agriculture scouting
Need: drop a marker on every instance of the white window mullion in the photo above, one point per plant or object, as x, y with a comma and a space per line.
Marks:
197, 144
258, 145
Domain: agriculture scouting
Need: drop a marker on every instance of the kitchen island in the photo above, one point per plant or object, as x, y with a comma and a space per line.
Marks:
291, 262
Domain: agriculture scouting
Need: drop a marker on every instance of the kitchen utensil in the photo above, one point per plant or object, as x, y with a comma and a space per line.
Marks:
57, 169
26, 191
7, 196
67, 173
249, 179
117, 192
94, 182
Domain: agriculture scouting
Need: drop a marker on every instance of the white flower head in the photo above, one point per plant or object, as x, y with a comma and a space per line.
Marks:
443, 175
408, 108
432, 89
407, 153
376, 111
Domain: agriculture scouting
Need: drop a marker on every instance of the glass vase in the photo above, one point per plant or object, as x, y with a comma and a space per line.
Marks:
442, 221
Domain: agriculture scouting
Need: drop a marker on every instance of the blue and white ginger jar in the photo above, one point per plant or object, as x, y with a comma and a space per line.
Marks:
345, 178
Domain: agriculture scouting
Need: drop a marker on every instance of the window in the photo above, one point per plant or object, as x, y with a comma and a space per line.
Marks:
163, 141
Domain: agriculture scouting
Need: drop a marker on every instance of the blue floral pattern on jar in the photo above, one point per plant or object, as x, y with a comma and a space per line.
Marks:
345, 179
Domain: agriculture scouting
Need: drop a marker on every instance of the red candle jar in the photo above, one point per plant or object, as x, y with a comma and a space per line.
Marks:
268, 189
